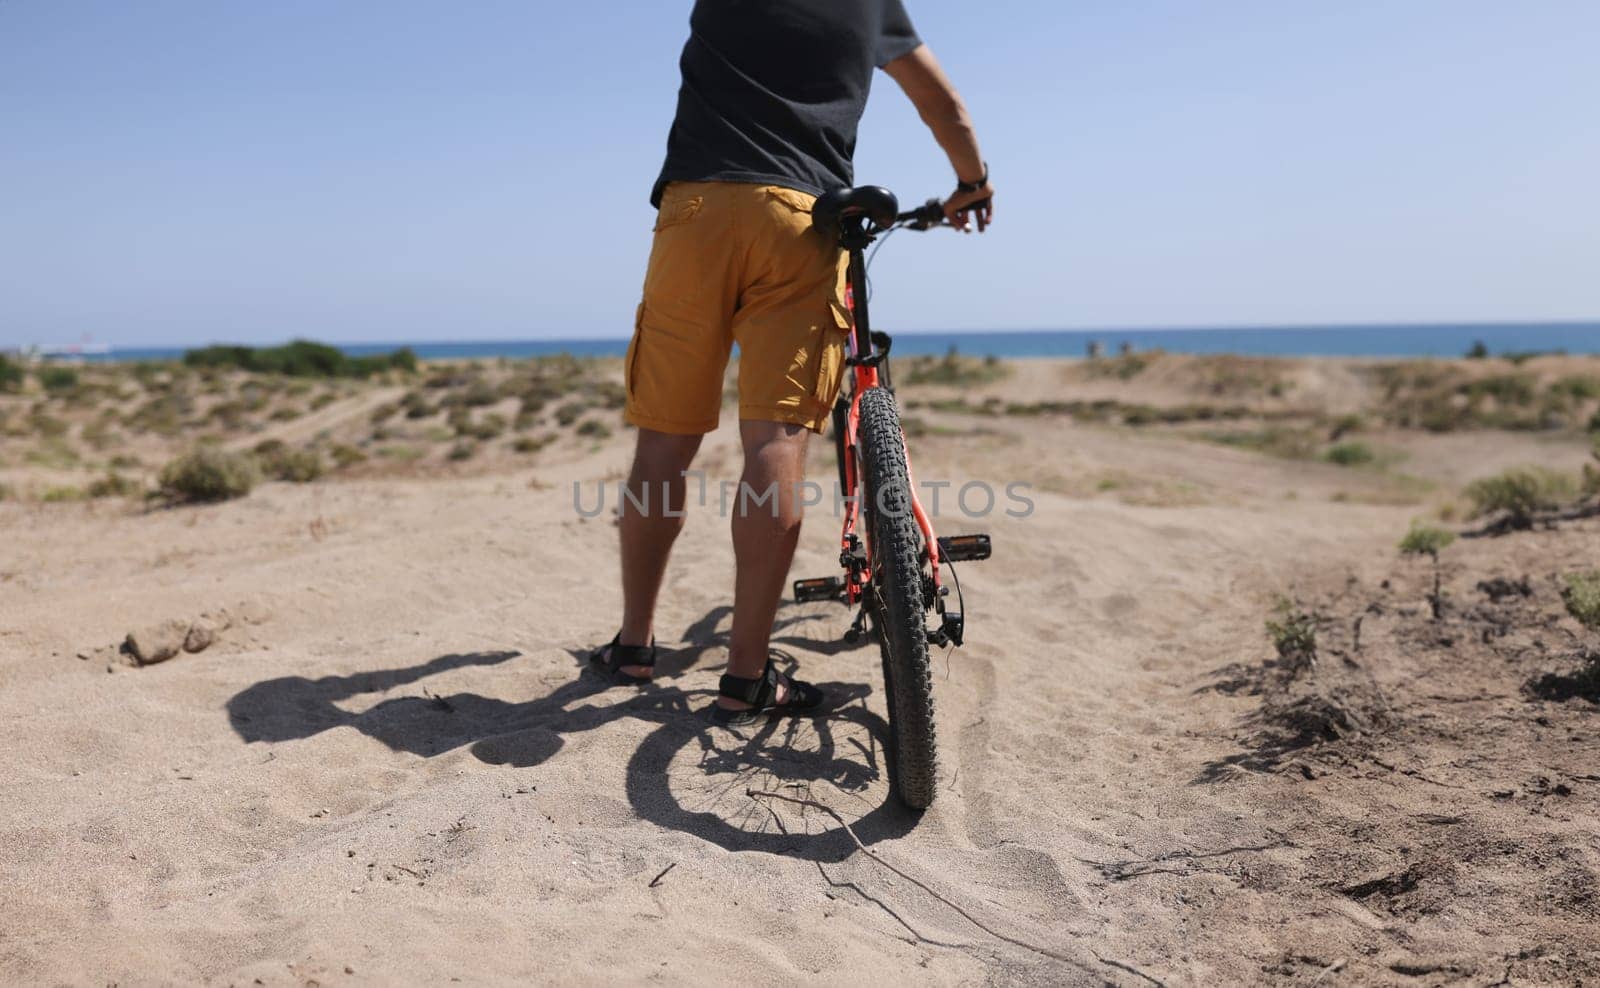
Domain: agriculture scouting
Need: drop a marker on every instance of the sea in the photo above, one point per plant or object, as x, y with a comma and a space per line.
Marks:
1404, 340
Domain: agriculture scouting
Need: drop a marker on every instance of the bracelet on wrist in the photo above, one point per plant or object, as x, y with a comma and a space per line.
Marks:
974, 186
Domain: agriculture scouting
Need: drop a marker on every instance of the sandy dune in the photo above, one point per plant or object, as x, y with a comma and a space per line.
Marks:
391, 767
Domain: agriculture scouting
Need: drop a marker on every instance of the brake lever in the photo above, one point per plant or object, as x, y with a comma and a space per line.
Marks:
929, 216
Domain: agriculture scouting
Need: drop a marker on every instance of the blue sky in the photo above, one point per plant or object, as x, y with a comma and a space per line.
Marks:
178, 171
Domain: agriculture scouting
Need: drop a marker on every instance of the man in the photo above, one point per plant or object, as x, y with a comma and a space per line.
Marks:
772, 94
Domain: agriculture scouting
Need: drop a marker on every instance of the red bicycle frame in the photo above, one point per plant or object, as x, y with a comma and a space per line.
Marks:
864, 361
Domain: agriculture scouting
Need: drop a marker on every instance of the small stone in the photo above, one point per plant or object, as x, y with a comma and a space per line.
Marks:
199, 638
157, 643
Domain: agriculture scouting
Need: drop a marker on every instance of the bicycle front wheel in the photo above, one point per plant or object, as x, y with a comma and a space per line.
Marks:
898, 609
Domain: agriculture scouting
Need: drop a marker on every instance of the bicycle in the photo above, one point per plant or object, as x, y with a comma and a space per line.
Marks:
894, 575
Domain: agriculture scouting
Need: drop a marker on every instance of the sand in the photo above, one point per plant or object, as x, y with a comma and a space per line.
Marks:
391, 768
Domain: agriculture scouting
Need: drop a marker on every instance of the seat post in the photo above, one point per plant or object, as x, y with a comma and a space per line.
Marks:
858, 301
855, 236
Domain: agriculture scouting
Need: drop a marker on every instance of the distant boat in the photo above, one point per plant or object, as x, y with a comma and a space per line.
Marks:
44, 351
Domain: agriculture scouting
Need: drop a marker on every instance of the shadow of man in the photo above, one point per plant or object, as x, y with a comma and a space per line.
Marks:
779, 753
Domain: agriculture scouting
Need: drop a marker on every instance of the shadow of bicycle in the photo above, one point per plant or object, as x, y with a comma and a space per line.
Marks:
686, 774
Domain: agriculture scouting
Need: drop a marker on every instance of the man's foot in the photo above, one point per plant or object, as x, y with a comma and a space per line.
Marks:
745, 701
629, 664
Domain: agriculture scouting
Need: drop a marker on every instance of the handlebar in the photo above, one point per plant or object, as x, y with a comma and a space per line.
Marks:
928, 215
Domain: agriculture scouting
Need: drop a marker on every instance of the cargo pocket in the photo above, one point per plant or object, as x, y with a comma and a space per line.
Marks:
677, 209
829, 363
800, 202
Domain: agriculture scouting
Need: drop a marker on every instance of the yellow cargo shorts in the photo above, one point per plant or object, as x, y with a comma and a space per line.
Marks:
737, 263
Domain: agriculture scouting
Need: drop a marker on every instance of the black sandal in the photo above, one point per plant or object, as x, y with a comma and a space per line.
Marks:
761, 693
612, 656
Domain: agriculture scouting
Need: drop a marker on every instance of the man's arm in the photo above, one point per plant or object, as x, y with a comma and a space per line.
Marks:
940, 107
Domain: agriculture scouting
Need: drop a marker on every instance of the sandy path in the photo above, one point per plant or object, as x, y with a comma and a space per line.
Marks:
391, 769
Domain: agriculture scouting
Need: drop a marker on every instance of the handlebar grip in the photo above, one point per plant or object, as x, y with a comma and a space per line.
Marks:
926, 216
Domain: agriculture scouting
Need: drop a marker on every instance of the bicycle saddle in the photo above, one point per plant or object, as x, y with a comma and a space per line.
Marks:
872, 201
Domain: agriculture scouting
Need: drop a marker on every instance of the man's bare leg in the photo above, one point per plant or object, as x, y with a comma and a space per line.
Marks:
659, 461
763, 541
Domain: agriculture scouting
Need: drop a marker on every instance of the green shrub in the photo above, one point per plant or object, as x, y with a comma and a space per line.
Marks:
489, 427
57, 495
323, 400
46, 426
301, 358
447, 376
1349, 454
954, 369
11, 374
1479, 350
1582, 597
1506, 389
297, 466
163, 415
58, 379
7, 492
115, 484
570, 412
462, 450
1425, 540
475, 395
1344, 425
344, 455
1274, 440
528, 444
208, 474
401, 453
417, 406
1122, 367
1521, 492
1578, 386
595, 429
1293, 633
383, 413
228, 414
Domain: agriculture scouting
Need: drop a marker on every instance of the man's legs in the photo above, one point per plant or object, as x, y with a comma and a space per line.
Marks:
659, 462
764, 537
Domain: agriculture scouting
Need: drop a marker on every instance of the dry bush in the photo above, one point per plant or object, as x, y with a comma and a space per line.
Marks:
1349, 454
528, 444
208, 474
1520, 493
953, 369
114, 484
344, 455
297, 466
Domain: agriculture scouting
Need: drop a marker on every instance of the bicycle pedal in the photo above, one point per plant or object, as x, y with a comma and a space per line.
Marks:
964, 548
820, 588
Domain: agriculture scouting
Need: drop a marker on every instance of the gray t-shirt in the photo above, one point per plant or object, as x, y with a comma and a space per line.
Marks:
773, 90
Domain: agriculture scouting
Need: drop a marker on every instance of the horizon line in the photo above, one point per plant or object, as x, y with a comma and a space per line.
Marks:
1192, 328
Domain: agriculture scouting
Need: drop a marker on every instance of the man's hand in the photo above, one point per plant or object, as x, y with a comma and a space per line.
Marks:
962, 207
